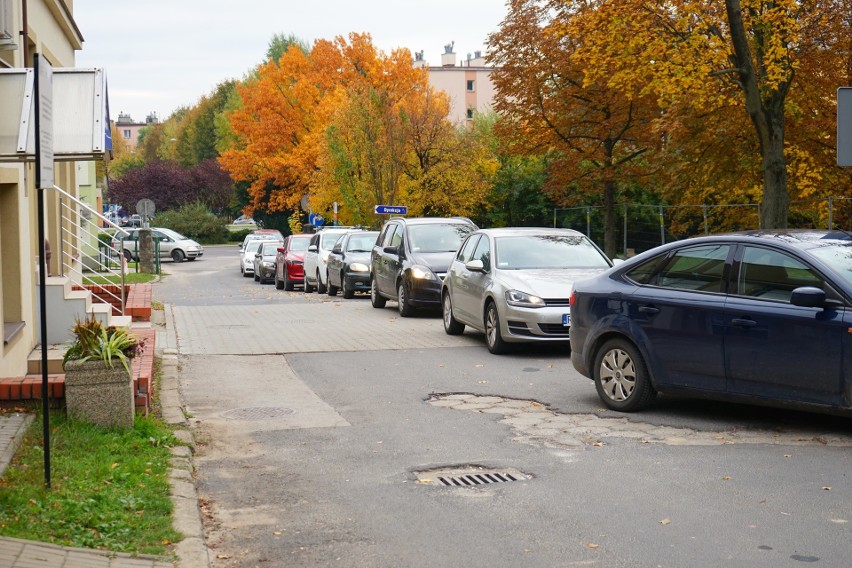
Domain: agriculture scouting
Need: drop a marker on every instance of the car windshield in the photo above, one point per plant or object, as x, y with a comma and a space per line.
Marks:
361, 243
437, 237
838, 257
253, 246
547, 251
299, 244
173, 235
328, 240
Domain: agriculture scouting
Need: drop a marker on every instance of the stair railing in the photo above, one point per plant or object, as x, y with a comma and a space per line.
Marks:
84, 262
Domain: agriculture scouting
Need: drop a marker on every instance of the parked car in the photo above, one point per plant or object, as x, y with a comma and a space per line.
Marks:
171, 245
264, 261
348, 264
316, 257
762, 316
243, 220
514, 284
410, 259
247, 255
289, 263
261, 235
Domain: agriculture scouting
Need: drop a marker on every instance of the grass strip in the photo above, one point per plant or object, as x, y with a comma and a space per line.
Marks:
110, 487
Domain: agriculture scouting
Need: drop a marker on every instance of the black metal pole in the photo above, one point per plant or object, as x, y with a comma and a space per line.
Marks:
42, 293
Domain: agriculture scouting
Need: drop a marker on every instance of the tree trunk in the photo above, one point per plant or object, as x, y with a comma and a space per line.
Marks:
609, 218
766, 112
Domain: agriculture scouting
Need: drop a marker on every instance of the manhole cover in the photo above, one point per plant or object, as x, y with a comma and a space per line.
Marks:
257, 413
469, 476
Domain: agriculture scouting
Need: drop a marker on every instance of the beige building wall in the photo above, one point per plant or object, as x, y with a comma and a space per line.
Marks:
468, 85
52, 32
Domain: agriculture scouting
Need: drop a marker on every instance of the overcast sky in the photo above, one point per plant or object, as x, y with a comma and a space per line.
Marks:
163, 54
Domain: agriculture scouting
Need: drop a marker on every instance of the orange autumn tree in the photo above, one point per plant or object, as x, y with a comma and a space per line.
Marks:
727, 61
594, 135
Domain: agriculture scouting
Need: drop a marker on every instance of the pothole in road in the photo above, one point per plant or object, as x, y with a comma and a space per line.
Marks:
469, 476
257, 413
535, 424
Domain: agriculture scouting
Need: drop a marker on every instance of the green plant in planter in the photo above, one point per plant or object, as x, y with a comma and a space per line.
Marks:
93, 341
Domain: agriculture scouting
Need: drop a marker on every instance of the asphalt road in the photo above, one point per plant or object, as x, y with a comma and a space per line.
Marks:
323, 425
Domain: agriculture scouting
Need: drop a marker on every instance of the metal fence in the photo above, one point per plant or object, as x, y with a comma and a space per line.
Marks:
640, 227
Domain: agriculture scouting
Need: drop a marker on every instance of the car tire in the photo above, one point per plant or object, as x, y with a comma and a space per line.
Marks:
178, 255
128, 256
321, 288
192, 259
288, 284
279, 285
348, 292
256, 277
621, 377
451, 325
332, 289
308, 288
493, 336
403, 300
376, 299
247, 275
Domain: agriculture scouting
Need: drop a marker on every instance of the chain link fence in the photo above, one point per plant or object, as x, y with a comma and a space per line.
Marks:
640, 227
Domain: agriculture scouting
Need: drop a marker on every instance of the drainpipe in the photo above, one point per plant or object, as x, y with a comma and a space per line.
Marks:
25, 37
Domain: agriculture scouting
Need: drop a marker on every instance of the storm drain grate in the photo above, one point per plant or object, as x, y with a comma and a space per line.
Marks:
469, 476
257, 413
476, 479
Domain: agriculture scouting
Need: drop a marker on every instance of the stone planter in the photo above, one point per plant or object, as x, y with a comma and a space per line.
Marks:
99, 394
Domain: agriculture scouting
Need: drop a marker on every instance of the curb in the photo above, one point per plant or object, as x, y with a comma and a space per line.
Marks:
191, 551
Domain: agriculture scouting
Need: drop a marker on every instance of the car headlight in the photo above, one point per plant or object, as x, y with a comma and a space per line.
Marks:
268, 264
421, 273
523, 300
359, 267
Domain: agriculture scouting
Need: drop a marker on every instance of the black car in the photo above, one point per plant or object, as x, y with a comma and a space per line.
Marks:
761, 316
348, 263
410, 259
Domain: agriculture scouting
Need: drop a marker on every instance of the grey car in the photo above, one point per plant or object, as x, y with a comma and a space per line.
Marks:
264, 261
515, 284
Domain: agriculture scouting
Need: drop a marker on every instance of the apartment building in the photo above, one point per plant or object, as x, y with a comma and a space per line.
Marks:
129, 129
47, 28
467, 82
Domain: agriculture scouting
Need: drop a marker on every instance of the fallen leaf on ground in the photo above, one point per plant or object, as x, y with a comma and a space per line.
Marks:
726, 478
592, 545
826, 488
666, 521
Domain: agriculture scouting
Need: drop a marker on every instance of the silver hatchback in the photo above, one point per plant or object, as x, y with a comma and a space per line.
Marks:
514, 284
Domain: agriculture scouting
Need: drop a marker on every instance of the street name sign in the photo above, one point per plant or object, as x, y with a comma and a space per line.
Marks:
391, 209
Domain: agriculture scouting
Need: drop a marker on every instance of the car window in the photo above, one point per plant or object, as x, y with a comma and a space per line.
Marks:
444, 237
270, 249
483, 253
385, 237
396, 238
698, 268
252, 246
467, 249
299, 244
328, 240
773, 275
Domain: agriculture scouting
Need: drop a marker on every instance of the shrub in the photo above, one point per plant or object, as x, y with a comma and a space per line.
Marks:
194, 221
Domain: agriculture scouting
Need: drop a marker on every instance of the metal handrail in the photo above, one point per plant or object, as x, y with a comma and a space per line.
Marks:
70, 249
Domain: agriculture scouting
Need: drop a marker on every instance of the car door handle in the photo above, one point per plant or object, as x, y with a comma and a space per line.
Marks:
650, 310
742, 322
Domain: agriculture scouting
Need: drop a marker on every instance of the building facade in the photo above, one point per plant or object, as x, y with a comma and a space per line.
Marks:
468, 84
46, 27
129, 130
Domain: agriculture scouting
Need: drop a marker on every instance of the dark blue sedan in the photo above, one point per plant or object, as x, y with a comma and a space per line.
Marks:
762, 317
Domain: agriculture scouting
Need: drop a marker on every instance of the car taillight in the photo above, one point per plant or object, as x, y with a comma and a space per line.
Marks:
572, 299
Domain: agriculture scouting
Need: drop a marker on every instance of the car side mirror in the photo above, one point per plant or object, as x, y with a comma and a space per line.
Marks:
312, 248
281, 249
391, 250
475, 266
337, 250
808, 297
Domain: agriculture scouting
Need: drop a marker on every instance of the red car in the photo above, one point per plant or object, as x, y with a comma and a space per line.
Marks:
289, 264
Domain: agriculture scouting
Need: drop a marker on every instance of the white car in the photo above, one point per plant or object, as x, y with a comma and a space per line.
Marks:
316, 258
171, 245
247, 255
515, 284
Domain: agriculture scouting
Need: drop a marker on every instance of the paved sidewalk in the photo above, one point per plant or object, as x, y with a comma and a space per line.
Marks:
191, 551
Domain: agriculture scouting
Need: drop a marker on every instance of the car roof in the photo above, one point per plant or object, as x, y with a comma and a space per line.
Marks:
522, 231
431, 220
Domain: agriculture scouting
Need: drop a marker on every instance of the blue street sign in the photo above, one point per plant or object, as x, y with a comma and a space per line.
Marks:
315, 219
391, 209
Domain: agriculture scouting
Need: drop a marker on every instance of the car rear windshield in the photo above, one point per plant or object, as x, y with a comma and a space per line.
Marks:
528, 252
438, 237
300, 244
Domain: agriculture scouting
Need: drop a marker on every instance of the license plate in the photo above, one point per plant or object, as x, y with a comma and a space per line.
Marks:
566, 320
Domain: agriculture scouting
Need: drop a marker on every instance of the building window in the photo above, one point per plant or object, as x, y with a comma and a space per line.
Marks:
470, 112
7, 33
471, 86
126, 134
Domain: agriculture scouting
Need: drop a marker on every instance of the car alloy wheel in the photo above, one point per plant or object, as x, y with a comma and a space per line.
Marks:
376, 299
178, 256
403, 303
621, 377
288, 284
493, 337
451, 324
